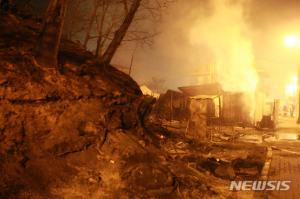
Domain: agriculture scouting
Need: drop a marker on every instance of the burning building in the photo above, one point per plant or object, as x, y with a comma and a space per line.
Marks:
228, 107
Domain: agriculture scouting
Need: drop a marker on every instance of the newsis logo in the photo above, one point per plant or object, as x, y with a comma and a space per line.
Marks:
259, 185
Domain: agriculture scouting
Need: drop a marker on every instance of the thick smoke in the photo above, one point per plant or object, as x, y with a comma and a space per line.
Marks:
225, 34
241, 39
198, 34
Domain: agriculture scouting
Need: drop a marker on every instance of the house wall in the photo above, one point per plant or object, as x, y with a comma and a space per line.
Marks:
200, 112
236, 108
172, 106
242, 107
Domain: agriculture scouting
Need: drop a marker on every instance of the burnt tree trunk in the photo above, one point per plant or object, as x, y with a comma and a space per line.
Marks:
120, 33
50, 36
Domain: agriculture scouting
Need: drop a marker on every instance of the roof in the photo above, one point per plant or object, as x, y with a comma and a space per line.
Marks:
204, 89
204, 97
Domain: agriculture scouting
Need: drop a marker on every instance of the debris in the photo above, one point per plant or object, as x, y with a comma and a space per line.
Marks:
267, 122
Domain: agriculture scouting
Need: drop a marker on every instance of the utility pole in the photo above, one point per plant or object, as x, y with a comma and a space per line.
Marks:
298, 120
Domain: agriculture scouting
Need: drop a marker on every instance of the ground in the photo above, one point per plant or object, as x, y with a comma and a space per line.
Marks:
285, 163
284, 146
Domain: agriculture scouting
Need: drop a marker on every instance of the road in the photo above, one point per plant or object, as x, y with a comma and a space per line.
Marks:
285, 164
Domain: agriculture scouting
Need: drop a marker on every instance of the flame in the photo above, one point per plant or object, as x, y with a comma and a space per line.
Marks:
224, 34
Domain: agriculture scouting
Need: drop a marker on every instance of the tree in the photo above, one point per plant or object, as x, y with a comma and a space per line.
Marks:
91, 21
100, 28
50, 36
107, 24
120, 33
74, 25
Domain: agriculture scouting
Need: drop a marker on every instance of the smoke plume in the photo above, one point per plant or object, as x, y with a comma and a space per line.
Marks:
225, 34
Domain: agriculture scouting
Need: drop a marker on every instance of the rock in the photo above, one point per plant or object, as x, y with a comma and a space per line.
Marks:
250, 172
249, 167
153, 178
225, 171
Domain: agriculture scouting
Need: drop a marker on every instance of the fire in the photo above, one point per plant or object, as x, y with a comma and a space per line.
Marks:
225, 34
292, 87
231, 48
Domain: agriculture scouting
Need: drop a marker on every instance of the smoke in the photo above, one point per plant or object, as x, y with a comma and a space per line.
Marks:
197, 34
225, 34
242, 40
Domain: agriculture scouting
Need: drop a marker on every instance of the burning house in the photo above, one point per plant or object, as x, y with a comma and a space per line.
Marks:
228, 107
210, 104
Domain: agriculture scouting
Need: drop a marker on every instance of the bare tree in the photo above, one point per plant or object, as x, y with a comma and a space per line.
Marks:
50, 36
74, 25
120, 33
109, 23
100, 28
91, 21
131, 60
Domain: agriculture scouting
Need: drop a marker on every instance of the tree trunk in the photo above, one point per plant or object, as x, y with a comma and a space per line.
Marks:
125, 3
50, 37
131, 60
90, 24
98, 53
120, 33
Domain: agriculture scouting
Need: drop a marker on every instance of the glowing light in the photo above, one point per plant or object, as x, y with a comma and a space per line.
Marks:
292, 87
295, 79
231, 50
292, 41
